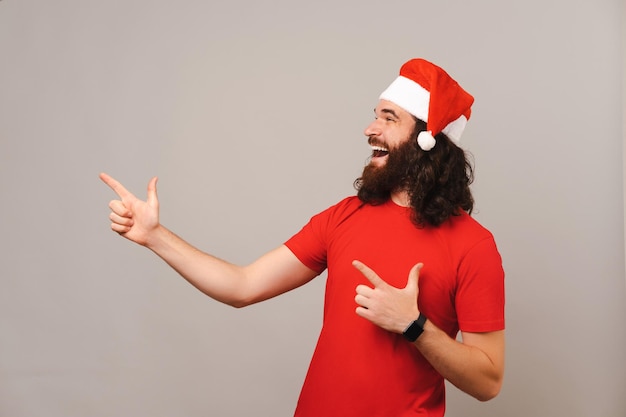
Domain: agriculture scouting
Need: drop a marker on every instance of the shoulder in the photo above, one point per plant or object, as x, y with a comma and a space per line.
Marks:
334, 215
465, 225
341, 210
463, 233
348, 203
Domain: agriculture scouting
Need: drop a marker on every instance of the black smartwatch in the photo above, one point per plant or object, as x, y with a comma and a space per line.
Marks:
415, 329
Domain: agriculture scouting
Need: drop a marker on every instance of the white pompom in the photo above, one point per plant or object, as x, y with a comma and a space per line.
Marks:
425, 140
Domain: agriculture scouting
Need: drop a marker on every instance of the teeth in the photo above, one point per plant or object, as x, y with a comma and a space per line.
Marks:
379, 148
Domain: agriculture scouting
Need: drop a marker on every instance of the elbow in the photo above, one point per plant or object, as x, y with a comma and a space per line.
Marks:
489, 392
487, 396
240, 302
237, 302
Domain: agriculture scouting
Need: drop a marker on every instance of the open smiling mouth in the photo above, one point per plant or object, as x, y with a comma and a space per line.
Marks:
379, 151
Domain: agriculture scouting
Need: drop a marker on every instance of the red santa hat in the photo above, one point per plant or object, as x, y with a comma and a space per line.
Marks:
430, 94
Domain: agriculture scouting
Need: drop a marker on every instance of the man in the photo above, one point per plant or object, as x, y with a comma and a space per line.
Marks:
407, 266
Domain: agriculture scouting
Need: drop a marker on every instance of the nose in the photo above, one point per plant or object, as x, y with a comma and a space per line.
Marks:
373, 129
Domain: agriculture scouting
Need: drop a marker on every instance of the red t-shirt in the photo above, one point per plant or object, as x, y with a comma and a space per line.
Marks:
358, 369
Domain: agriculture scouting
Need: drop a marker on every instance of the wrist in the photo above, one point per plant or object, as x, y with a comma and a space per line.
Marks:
156, 238
415, 328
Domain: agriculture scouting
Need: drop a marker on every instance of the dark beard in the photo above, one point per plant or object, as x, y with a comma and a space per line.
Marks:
376, 183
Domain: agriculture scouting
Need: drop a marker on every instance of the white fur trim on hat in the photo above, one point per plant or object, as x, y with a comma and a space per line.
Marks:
454, 129
409, 95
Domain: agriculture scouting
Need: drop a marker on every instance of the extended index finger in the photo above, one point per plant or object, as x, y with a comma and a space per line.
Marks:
369, 273
115, 185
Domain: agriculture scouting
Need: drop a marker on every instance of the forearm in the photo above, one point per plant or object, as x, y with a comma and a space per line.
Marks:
469, 368
215, 277
274, 273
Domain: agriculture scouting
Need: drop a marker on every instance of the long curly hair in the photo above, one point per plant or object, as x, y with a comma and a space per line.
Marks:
438, 181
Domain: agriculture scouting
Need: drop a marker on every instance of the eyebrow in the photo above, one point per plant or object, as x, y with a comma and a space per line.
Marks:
388, 111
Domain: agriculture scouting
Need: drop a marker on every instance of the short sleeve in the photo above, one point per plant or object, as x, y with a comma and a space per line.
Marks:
480, 292
309, 244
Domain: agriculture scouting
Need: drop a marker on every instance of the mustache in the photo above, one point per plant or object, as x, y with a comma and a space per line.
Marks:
373, 141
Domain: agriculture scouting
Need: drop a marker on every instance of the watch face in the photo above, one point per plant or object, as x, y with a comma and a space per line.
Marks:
413, 331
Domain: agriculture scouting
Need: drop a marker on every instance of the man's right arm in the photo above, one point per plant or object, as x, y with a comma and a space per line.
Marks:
272, 274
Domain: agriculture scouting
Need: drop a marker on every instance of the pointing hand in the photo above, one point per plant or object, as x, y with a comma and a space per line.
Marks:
388, 307
131, 217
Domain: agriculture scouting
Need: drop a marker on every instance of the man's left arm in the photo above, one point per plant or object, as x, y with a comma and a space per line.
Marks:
475, 365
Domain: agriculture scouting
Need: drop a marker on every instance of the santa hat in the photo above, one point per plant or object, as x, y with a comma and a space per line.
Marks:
430, 94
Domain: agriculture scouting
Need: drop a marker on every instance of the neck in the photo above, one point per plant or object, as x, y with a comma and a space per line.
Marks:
401, 198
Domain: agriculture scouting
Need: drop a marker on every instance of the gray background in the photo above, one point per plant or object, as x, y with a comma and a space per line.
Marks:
252, 113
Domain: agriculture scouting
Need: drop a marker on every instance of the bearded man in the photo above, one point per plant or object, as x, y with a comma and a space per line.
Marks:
408, 268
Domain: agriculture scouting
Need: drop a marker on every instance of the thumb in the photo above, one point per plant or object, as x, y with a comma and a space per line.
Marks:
152, 192
414, 275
